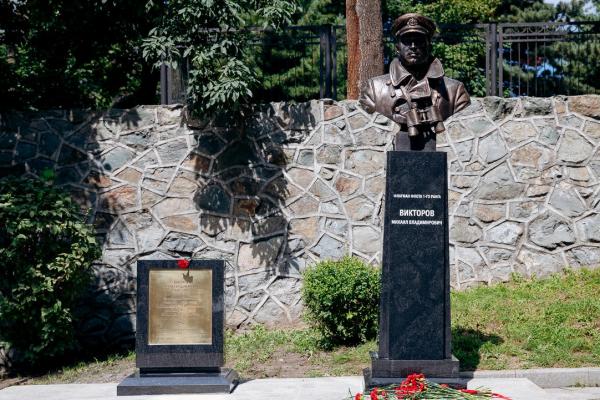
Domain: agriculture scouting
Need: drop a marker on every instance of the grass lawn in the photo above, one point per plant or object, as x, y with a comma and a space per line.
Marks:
554, 322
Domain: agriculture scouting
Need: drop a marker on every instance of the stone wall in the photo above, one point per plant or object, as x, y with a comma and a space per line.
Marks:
524, 187
305, 182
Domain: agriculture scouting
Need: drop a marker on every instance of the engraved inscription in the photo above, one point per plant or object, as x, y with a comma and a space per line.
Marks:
425, 215
180, 307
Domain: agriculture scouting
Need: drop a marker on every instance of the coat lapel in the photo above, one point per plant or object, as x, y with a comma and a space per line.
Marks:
400, 76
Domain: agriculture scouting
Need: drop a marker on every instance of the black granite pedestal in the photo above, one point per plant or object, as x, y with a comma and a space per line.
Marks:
180, 330
218, 381
414, 322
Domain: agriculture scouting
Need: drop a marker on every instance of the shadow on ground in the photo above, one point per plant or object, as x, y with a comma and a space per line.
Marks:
467, 344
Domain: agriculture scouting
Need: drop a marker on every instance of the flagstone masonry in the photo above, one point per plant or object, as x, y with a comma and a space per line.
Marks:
305, 182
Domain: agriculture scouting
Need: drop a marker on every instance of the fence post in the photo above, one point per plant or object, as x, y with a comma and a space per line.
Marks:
500, 62
173, 82
334, 61
325, 55
178, 82
491, 58
164, 90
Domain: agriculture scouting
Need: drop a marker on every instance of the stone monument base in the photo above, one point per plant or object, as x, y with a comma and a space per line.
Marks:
385, 372
222, 380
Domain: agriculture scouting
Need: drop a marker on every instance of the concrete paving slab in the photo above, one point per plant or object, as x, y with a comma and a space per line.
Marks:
56, 392
507, 373
556, 377
335, 388
574, 393
593, 377
515, 388
545, 377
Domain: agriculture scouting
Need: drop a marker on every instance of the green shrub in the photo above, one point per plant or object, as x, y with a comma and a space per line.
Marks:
45, 253
342, 300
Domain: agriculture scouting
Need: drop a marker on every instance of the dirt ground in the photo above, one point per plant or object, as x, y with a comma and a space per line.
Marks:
91, 373
281, 364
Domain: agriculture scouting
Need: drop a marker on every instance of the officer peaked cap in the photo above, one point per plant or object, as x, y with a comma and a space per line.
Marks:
413, 22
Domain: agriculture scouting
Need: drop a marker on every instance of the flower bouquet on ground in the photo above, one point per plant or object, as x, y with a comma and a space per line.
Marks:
415, 386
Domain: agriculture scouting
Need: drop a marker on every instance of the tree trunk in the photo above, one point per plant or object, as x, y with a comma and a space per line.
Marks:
370, 40
352, 42
364, 37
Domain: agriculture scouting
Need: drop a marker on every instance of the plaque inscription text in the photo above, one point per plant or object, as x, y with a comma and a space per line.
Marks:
180, 307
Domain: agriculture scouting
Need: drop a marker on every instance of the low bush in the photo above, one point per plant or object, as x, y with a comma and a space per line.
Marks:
342, 300
46, 249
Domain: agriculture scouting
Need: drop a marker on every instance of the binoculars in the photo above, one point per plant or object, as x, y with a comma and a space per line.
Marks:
418, 119
423, 111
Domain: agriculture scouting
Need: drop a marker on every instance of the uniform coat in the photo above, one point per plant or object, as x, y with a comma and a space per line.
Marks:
382, 94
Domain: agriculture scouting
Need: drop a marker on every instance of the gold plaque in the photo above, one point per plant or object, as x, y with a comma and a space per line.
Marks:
180, 309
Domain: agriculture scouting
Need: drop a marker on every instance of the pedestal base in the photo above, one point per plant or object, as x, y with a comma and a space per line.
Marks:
223, 381
385, 372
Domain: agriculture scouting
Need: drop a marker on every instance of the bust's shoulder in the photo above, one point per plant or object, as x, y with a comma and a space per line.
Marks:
381, 79
377, 84
371, 92
452, 83
458, 93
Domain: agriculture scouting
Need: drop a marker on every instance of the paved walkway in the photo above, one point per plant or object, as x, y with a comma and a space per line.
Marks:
336, 388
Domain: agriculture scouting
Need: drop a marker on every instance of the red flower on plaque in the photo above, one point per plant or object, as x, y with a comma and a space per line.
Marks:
358, 396
183, 263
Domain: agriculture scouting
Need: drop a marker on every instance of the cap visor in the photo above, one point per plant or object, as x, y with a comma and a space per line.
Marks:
412, 29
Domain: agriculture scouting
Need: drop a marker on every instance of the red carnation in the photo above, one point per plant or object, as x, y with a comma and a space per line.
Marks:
374, 394
183, 263
416, 386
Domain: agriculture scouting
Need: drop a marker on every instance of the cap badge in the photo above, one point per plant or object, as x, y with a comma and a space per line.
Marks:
413, 22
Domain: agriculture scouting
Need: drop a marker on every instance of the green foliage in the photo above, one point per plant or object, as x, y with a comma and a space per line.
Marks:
287, 66
320, 12
342, 300
538, 11
45, 252
462, 61
61, 54
287, 62
478, 11
445, 11
92, 53
213, 35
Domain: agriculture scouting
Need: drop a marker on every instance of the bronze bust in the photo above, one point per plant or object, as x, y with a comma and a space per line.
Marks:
415, 94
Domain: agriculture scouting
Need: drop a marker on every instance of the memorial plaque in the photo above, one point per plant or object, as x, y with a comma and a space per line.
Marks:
180, 309
180, 320
180, 330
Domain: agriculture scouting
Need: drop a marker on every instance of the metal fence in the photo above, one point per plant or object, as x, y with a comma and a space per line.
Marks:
544, 59
502, 59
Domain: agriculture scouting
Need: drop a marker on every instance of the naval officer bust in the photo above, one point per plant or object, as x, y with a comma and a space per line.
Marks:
415, 94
